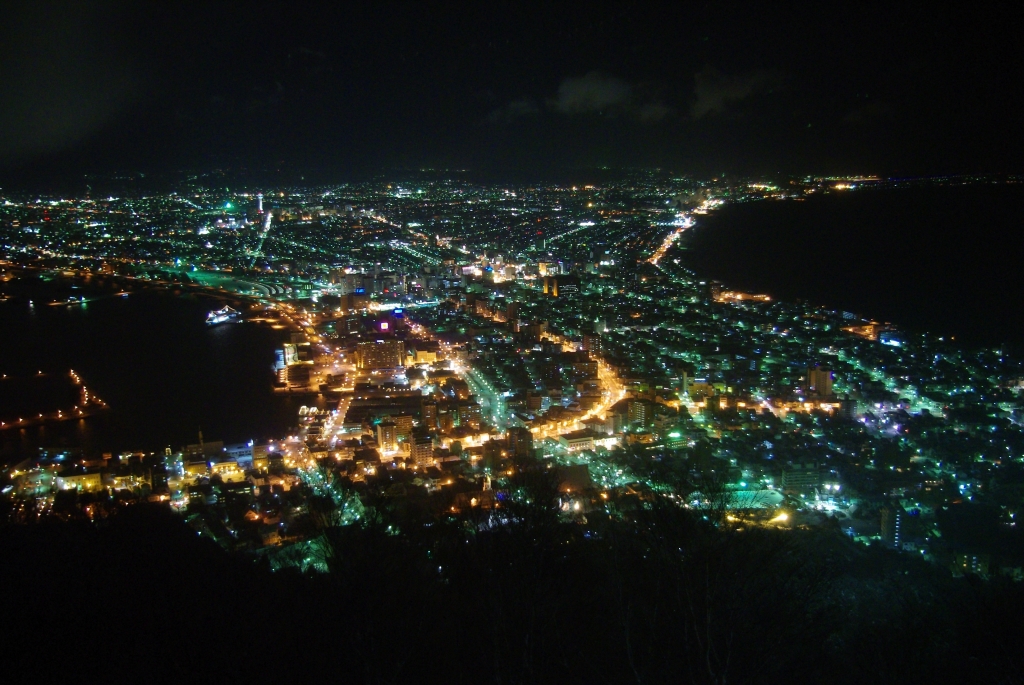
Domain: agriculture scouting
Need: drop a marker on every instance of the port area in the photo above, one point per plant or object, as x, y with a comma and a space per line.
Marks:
88, 405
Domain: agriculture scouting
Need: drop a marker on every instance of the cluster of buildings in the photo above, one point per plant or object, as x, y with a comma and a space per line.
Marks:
451, 329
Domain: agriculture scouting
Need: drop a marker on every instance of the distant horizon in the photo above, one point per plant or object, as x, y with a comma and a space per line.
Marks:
739, 88
254, 177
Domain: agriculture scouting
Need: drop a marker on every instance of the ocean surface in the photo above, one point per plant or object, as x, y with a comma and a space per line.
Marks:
942, 259
150, 356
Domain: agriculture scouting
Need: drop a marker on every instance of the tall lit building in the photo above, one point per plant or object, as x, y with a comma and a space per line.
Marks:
380, 354
387, 437
422, 449
469, 414
404, 424
639, 412
892, 525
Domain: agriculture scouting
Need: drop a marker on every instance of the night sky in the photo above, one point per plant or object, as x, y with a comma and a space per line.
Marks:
701, 88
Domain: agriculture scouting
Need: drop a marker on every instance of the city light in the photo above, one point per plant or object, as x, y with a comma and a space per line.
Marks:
430, 375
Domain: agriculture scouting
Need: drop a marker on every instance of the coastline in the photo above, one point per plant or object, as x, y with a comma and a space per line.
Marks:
842, 252
172, 379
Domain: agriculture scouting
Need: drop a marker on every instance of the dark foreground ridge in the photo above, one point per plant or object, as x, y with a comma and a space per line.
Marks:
664, 598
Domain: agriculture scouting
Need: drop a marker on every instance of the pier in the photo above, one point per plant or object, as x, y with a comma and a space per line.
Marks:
88, 405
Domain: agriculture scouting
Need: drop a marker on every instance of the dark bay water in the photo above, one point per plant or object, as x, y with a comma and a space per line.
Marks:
164, 373
941, 259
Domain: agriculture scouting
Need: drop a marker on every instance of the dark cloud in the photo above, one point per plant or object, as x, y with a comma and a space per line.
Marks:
652, 112
603, 93
715, 91
517, 109
88, 85
63, 79
591, 93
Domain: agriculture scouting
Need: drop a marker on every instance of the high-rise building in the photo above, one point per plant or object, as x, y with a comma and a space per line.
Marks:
380, 354
534, 401
428, 414
818, 382
561, 286
520, 441
848, 409
404, 424
639, 412
536, 329
712, 289
469, 414
800, 477
567, 286
977, 564
422, 451
892, 525
387, 437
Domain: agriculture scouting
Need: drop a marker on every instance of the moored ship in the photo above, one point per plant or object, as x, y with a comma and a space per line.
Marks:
222, 315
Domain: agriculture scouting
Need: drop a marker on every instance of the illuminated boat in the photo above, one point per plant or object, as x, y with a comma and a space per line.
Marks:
221, 315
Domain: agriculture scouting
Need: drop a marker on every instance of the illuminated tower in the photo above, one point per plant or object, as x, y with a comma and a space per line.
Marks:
259, 202
892, 523
387, 437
